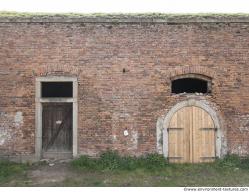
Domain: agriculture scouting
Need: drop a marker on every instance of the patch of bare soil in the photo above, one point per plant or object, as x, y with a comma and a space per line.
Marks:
50, 172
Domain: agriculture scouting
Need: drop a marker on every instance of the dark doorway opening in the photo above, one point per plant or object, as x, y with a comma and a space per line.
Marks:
57, 89
189, 85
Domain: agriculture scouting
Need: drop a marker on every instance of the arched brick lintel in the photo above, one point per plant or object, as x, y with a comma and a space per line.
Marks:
55, 70
178, 71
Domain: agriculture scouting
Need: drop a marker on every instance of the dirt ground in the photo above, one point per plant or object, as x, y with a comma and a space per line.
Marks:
50, 173
62, 174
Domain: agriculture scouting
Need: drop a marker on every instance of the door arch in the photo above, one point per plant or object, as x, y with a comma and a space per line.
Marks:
191, 136
203, 106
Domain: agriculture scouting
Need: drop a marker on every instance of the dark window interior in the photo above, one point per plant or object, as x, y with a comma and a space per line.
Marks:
189, 85
57, 89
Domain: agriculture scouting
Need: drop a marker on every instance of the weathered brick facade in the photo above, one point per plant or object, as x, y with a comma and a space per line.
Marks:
124, 68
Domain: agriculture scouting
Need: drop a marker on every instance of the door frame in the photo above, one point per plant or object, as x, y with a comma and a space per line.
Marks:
38, 115
220, 141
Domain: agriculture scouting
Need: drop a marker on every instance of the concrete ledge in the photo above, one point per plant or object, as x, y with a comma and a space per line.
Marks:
15, 17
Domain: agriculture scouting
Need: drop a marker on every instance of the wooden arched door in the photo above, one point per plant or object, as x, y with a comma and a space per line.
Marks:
191, 136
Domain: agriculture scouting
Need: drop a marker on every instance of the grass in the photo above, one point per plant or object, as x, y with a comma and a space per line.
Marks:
111, 169
10, 170
170, 176
154, 170
111, 160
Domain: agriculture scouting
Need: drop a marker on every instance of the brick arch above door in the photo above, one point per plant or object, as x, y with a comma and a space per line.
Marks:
182, 70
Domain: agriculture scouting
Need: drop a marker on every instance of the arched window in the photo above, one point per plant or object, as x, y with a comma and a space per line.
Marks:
191, 83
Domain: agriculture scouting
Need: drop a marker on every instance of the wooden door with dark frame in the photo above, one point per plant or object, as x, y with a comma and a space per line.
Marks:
57, 127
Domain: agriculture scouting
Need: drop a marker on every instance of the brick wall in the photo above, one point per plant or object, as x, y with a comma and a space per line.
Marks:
111, 101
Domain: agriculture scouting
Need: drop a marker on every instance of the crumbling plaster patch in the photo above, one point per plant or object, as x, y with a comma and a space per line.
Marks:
124, 130
4, 135
9, 121
18, 119
244, 127
133, 140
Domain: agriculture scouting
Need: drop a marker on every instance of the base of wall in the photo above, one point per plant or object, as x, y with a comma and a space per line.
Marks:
33, 158
57, 156
20, 158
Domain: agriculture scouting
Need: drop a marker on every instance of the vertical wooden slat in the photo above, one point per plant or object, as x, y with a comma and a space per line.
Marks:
192, 133
172, 139
204, 149
183, 140
190, 124
179, 145
178, 133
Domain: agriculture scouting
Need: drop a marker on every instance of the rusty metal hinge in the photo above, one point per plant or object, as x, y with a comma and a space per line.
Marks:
208, 128
174, 128
175, 157
212, 157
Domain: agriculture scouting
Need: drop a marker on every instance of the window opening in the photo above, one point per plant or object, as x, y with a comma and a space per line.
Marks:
189, 85
57, 89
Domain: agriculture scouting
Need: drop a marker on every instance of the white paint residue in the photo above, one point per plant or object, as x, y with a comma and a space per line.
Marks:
240, 150
243, 129
134, 138
159, 128
114, 137
4, 135
8, 123
126, 133
58, 122
18, 118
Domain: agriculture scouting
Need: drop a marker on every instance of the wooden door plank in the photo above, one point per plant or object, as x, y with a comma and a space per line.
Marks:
179, 137
182, 140
59, 129
203, 139
55, 138
188, 134
172, 138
